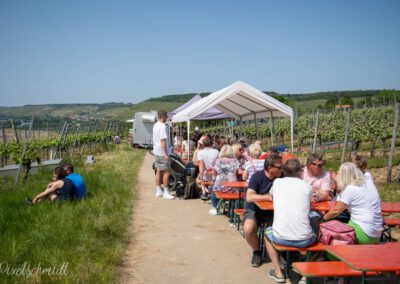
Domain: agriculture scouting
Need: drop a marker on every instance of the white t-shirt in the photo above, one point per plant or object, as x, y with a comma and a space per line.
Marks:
369, 176
364, 205
291, 198
208, 156
160, 132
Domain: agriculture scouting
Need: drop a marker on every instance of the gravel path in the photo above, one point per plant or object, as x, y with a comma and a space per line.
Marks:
177, 241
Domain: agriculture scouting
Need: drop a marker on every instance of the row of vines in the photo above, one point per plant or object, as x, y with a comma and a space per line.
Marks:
374, 126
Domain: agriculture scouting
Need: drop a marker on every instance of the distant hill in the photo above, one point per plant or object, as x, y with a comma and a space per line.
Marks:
121, 111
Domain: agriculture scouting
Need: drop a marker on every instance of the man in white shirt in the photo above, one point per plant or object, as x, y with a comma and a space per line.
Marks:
161, 153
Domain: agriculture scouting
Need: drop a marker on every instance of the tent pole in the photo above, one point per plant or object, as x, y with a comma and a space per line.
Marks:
188, 134
271, 125
255, 125
292, 132
241, 128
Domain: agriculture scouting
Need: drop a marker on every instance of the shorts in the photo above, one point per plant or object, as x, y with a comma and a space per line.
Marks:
297, 244
259, 219
161, 163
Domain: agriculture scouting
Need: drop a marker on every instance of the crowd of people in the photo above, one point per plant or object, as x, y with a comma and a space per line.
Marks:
278, 176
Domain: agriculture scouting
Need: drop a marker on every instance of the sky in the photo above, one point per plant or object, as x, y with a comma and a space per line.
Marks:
94, 51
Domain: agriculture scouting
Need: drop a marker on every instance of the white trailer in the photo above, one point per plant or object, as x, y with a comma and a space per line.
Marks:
142, 134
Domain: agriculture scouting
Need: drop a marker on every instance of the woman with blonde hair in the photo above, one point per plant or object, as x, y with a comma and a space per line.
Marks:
225, 169
361, 198
254, 163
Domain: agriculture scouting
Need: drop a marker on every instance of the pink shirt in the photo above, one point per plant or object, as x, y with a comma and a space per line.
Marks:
322, 181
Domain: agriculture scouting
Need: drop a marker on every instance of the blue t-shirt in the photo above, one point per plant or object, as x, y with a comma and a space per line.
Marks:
79, 183
262, 185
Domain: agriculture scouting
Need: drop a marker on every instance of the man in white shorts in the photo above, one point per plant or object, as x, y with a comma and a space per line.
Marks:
161, 153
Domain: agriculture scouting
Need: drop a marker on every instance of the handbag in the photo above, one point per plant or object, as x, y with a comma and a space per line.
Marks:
336, 233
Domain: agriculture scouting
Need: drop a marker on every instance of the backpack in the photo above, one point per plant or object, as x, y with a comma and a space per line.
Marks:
336, 233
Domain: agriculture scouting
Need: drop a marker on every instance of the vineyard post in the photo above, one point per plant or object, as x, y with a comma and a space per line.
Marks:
4, 158
87, 134
271, 125
24, 151
75, 141
316, 132
14, 131
61, 137
346, 136
64, 140
392, 147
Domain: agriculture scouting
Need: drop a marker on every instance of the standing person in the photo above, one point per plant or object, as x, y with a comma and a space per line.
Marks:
362, 164
258, 190
161, 151
77, 180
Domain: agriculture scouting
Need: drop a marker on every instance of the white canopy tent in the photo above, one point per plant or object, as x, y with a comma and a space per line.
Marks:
240, 101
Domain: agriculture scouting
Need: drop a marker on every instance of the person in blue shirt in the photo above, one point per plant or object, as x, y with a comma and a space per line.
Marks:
77, 180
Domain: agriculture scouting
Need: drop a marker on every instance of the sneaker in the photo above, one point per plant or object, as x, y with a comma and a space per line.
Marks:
208, 197
168, 195
272, 275
213, 211
256, 259
28, 201
159, 192
203, 197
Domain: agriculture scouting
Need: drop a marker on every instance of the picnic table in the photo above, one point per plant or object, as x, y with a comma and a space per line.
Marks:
365, 258
316, 206
390, 207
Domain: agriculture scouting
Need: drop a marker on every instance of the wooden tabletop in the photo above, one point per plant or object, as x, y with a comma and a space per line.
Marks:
390, 207
380, 257
317, 206
238, 184
229, 195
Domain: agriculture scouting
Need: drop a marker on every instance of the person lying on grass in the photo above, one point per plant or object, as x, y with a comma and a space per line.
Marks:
60, 189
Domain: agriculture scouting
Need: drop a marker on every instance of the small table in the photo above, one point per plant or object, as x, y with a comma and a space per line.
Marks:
379, 258
392, 207
238, 184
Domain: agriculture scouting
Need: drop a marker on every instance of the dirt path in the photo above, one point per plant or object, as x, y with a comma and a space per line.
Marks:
179, 242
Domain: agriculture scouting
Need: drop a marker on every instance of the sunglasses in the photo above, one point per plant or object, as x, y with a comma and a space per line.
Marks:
277, 167
318, 165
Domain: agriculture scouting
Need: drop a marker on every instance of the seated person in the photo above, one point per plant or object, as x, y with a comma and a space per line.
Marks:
60, 189
319, 179
258, 189
238, 151
360, 197
206, 159
254, 164
186, 148
225, 169
291, 226
77, 180
362, 164
272, 149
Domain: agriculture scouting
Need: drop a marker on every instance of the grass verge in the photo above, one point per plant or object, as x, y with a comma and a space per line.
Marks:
82, 241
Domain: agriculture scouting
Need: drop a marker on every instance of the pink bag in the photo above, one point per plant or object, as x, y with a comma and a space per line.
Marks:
336, 233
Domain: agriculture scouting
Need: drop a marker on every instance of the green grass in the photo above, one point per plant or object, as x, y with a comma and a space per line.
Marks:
390, 192
89, 236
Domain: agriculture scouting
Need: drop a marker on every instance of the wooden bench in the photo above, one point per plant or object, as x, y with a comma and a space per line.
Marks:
327, 269
316, 247
239, 213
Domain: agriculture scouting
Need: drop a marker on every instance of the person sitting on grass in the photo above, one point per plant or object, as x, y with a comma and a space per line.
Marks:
254, 163
291, 226
360, 196
60, 189
77, 180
